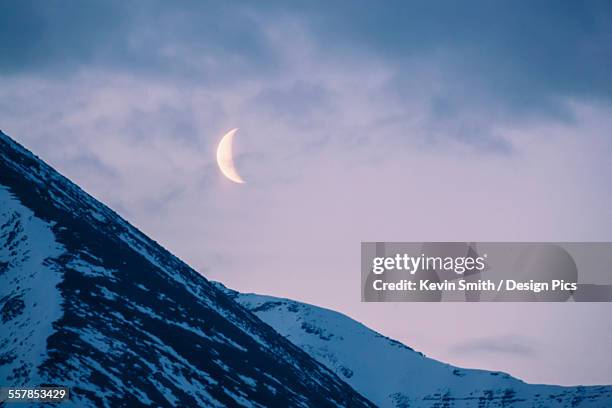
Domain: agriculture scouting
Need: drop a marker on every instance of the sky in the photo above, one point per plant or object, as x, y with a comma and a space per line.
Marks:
360, 121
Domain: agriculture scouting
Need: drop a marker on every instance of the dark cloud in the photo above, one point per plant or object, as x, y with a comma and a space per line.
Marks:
517, 346
41, 35
521, 49
505, 61
154, 37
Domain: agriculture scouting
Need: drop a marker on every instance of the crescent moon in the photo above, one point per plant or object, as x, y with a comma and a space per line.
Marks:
225, 157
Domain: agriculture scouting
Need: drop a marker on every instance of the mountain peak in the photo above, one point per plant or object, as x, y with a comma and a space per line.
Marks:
89, 302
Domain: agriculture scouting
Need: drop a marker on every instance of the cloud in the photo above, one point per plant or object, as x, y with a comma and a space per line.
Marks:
517, 49
459, 70
157, 38
35, 36
521, 57
513, 345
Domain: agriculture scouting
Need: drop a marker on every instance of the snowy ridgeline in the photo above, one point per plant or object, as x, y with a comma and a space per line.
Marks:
89, 302
393, 375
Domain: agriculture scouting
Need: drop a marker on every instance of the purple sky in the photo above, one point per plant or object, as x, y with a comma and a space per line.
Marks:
404, 123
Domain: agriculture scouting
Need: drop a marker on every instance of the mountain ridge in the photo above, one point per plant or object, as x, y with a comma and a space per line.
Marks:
392, 374
127, 322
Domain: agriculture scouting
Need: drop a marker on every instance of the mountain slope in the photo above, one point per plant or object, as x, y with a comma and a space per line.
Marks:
87, 301
393, 375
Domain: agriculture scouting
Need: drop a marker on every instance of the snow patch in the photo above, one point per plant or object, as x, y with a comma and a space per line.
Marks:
29, 298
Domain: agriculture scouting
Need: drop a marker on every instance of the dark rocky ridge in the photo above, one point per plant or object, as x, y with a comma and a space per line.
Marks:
134, 325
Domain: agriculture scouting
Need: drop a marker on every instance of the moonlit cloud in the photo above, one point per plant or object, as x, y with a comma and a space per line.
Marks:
406, 121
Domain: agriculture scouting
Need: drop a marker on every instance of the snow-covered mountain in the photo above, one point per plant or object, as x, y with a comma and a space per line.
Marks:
89, 302
393, 375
